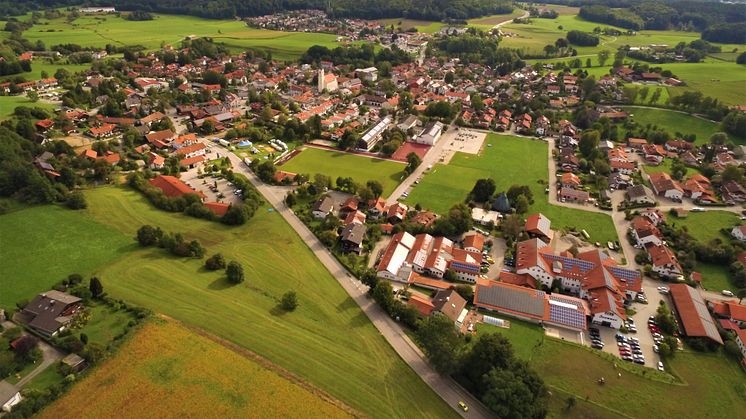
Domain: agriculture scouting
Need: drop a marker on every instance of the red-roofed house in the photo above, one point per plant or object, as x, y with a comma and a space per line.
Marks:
730, 310
664, 261
105, 130
538, 225
423, 304
173, 187
694, 317
474, 242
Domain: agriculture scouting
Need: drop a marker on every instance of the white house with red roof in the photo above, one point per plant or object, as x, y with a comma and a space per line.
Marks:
739, 233
664, 261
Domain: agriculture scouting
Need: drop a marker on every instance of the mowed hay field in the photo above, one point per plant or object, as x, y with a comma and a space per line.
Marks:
510, 161
338, 164
97, 31
165, 370
328, 341
40, 246
707, 385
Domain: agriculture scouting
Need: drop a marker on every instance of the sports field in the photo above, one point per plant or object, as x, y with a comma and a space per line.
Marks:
510, 160
327, 341
335, 164
98, 31
176, 372
676, 122
42, 245
630, 390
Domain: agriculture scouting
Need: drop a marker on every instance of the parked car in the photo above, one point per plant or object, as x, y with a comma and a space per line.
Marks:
463, 406
660, 366
727, 293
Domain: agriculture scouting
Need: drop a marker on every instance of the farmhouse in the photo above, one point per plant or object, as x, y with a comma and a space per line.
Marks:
173, 187
730, 310
450, 304
640, 194
352, 237
50, 313
664, 261
323, 207
645, 232
574, 195
664, 186
538, 225
474, 242
532, 305
692, 312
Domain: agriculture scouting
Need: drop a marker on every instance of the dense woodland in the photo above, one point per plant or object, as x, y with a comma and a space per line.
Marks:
220, 9
637, 15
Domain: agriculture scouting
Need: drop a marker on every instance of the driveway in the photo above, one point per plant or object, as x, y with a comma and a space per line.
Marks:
445, 387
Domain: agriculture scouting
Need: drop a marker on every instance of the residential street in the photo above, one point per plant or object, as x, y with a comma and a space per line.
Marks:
445, 387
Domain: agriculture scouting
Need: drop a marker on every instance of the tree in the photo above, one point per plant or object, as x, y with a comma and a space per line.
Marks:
94, 353
491, 350
741, 294
33, 96
521, 204
76, 200
290, 199
441, 342
96, 287
413, 161
147, 235
589, 140
289, 301
603, 57
719, 138
570, 402
215, 262
383, 294
234, 271
483, 190
466, 292
517, 392
375, 187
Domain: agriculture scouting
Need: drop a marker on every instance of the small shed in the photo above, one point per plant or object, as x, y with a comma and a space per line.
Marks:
74, 362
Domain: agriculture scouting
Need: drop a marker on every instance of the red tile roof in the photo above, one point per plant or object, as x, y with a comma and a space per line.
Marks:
173, 187
218, 208
691, 309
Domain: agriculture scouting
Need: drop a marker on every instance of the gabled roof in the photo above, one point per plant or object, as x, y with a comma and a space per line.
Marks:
173, 187
692, 310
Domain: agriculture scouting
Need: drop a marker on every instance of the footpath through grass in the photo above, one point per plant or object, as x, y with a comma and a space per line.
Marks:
509, 161
327, 341
338, 164
42, 245
711, 384
179, 373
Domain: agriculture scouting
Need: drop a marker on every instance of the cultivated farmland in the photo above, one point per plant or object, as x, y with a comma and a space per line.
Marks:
337, 164
97, 31
42, 245
178, 373
327, 341
510, 160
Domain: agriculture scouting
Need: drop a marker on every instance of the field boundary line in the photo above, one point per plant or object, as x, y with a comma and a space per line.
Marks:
266, 363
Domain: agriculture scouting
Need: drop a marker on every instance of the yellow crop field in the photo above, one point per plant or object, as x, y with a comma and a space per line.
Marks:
166, 370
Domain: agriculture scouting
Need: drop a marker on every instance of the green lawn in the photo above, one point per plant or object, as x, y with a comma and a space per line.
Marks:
488, 22
524, 336
45, 379
677, 122
724, 81
335, 164
105, 324
39, 65
705, 226
42, 245
666, 167
569, 369
510, 160
327, 340
98, 31
9, 103
714, 277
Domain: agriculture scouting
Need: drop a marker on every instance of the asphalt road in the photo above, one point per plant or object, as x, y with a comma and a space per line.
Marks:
445, 387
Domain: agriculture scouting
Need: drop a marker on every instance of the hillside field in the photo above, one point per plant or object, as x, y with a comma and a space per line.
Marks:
335, 164
42, 245
179, 373
511, 160
97, 31
327, 341
8, 104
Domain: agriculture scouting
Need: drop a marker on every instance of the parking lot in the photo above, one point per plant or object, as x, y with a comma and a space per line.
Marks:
214, 188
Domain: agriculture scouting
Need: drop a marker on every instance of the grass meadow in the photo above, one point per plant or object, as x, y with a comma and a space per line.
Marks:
335, 164
8, 104
179, 373
677, 122
327, 341
511, 160
97, 31
42, 245
569, 369
666, 167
